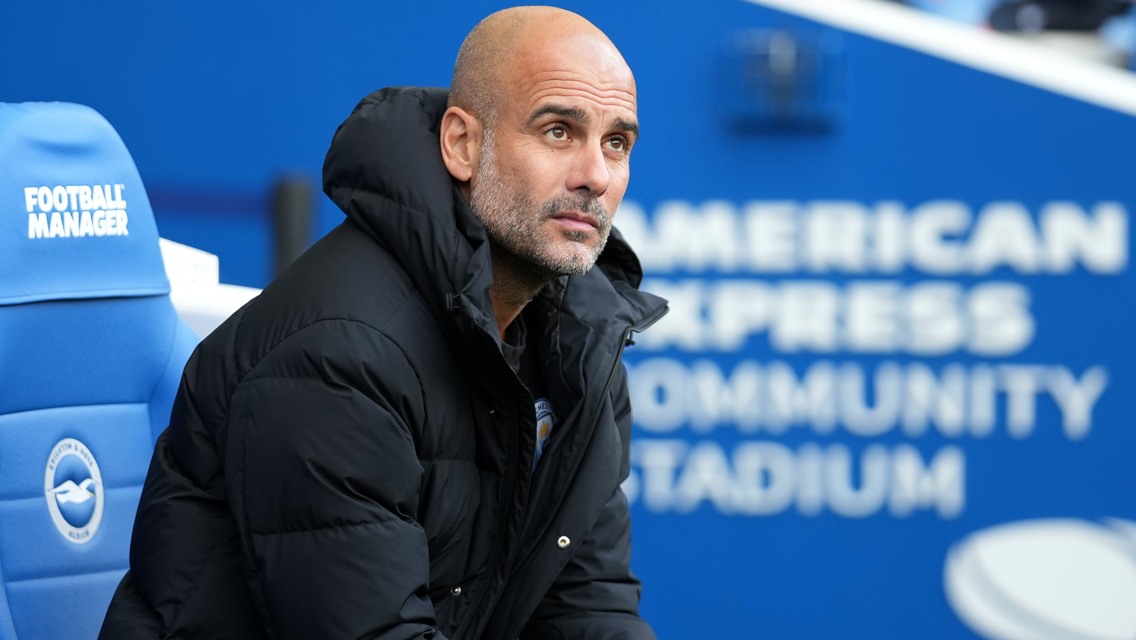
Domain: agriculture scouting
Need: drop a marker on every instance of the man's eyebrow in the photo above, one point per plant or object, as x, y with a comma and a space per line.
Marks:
579, 115
572, 113
627, 126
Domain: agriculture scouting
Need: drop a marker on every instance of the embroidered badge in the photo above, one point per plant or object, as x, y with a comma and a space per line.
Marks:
545, 422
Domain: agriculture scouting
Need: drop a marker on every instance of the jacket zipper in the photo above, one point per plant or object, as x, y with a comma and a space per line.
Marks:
642, 326
497, 547
498, 544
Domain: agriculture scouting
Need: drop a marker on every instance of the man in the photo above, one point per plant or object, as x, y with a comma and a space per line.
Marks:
355, 454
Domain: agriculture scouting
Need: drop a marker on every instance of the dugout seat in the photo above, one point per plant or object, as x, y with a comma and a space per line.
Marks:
91, 353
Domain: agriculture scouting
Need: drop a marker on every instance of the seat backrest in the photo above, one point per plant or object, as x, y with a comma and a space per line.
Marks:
91, 353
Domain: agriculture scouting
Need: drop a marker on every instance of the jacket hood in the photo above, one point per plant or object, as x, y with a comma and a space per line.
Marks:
385, 171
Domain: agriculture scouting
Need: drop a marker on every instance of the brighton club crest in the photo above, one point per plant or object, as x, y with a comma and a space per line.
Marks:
73, 487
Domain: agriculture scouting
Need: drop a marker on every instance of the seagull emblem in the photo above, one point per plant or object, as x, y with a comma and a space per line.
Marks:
77, 493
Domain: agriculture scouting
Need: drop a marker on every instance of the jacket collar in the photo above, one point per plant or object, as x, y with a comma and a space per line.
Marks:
385, 171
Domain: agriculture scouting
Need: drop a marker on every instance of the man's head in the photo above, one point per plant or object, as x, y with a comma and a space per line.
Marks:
539, 129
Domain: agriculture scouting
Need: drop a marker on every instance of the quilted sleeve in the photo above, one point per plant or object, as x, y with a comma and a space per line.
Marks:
323, 479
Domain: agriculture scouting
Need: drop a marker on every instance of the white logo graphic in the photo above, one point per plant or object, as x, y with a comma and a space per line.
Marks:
74, 211
73, 487
1041, 579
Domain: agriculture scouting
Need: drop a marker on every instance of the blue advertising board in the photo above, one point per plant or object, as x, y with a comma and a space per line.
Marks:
893, 396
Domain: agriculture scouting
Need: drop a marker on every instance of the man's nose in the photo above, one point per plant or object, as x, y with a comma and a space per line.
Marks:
590, 171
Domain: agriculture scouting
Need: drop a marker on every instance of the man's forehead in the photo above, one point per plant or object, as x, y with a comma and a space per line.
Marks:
583, 70
569, 89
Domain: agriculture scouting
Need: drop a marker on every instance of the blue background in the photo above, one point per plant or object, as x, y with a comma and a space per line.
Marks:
217, 100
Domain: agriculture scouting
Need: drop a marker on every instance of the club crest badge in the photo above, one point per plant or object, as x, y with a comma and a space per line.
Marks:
73, 487
545, 422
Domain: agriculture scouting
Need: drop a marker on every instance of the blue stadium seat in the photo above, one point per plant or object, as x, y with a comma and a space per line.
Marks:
91, 352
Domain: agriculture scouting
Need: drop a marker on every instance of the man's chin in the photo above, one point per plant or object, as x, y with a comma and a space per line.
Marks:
571, 257
586, 239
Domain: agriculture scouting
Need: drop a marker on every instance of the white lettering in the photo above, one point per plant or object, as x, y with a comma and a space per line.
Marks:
890, 240
59, 198
659, 459
1004, 235
939, 237
73, 194
810, 480
56, 224
957, 400
738, 308
836, 236
1101, 244
915, 486
927, 399
860, 418
683, 324
843, 496
44, 199
935, 325
1001, 323
659, 388
684, 237
927, 318
931, 223
871, 320
98, 199
705, 476
718, 400
86, 228
37, 226
806, 317
811, 401
71, 224
983, 390
766, 478
771, 235
1076, 399
1021, 384
30, 198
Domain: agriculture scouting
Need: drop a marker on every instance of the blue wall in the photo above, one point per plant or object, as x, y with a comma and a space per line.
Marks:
217, 101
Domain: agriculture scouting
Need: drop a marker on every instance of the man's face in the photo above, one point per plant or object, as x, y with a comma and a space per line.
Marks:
554, 165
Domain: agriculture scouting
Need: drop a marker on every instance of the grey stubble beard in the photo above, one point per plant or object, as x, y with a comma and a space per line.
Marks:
514, 222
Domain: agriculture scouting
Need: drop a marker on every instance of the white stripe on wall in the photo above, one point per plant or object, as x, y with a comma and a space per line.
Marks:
1093, 82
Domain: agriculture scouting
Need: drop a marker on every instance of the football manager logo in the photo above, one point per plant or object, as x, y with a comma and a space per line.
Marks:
73, 487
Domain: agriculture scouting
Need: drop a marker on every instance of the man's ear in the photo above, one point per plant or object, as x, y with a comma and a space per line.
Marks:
461, 143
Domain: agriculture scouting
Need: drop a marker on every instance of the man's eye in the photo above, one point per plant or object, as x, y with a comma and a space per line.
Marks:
559, 133
618, 144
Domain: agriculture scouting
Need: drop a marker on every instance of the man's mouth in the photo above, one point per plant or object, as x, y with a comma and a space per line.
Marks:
576, 221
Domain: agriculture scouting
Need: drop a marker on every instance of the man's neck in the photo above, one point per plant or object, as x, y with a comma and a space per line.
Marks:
515, 283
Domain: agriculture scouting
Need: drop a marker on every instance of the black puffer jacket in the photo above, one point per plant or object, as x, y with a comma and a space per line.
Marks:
349, 455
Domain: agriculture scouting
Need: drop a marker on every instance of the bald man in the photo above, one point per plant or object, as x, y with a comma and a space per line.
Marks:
421, 428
